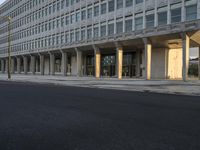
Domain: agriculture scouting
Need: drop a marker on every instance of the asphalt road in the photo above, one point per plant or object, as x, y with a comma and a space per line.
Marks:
48, 117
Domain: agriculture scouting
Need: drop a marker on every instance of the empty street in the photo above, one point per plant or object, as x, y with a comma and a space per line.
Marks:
50, 117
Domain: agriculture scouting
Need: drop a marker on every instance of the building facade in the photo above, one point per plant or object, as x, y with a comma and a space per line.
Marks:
103, 38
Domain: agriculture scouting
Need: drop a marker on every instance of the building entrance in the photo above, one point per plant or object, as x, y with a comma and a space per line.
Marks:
108, 64
90, 66
129, 65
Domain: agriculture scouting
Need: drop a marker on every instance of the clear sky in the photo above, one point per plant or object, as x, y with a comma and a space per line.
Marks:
1, 1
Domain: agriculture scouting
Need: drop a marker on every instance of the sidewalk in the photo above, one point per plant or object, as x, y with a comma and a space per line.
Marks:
158, 86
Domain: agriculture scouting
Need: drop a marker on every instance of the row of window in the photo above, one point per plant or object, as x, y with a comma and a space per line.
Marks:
73, 36
56, 6
126, 26
60, 4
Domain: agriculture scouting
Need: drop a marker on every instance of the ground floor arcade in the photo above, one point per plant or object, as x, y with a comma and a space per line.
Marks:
165, 57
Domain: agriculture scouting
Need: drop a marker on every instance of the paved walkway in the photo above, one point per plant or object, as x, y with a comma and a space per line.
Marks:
191, 87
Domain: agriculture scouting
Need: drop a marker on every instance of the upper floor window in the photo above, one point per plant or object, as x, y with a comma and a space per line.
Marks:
191, 12
138, 23
128, 25
138, 1
162, 18
176, 15
150, 21
103, 8
96, 10
89, 13
111, 5
119, 4
129, 3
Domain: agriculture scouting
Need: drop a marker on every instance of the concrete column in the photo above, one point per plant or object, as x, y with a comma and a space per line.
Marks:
2, 66
33, 64
64, 64
79, 62
147, 52
97, 63
18, 65
185, 57
12, 65
199, 63
119, 62
42, 64
52, 64
6, 67
138, 63
25, 64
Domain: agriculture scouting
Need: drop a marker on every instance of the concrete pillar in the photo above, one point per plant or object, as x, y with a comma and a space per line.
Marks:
52, 64
97, 63
138, 63
13, 65
2, 66
79, 62
42, 64
6, 67
147, 52
64, 64
18, 65
33, 64
199, 63
185, 57
119, 62
25, 64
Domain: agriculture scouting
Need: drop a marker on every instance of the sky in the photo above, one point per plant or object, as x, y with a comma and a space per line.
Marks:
193, 52
1, 1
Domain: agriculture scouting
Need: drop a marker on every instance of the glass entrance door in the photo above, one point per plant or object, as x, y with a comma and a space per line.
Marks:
129, 65
90, 71
108, 63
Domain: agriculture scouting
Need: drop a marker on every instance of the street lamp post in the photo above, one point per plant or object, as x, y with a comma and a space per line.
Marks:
8, 19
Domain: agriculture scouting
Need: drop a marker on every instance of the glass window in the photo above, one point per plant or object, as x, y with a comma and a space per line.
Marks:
138, 1
67, 20
58, 23
191, 12
129, 3
62, 39
89, 13
176, 15
110, 29
128, 25
83, 35
150, 21
119, 26
96, 32
96, 11
62, 21
78, 17
111, 5
119, 4
72, 37
89, 33
103, 8
139, 23
77, 35
72, 18
103, 30
67, 3
83, 14
162, 18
